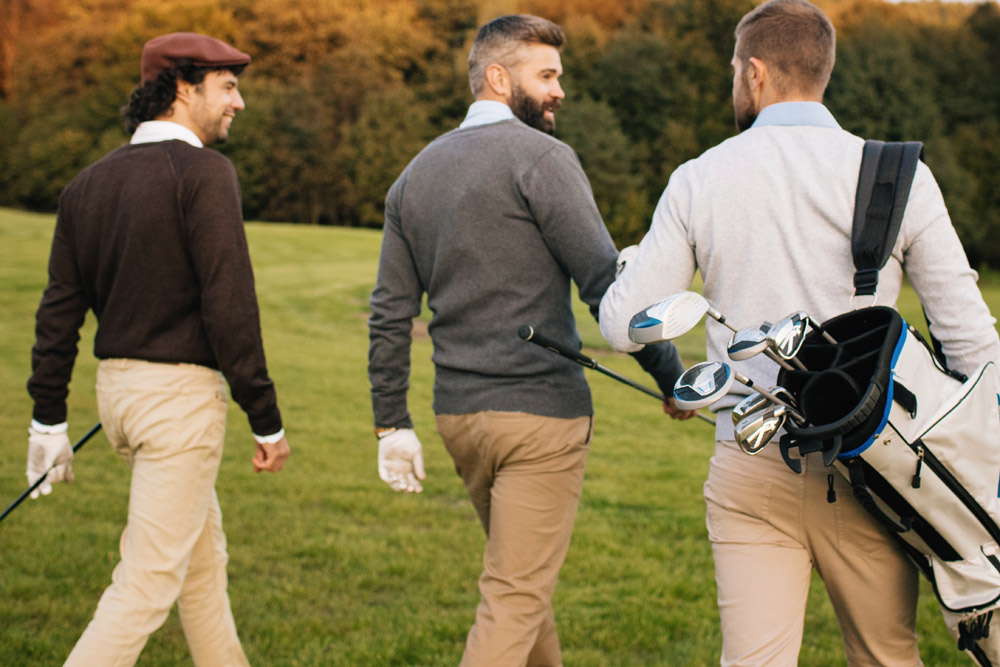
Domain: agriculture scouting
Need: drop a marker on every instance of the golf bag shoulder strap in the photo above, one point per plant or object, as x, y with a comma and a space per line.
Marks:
884, 180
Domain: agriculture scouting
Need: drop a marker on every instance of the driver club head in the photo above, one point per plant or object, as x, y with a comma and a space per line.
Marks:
757, 429
785, 338
667, 319
702, 385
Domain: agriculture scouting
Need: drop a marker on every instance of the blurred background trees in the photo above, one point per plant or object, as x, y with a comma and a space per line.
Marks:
343, 93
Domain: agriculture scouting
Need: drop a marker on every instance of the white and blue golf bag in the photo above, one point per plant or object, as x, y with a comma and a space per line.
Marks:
919, 443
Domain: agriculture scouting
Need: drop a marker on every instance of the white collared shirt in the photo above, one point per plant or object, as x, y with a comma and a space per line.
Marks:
483, 112
164, 130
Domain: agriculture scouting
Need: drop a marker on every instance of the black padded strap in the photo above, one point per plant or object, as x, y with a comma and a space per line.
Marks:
884, 180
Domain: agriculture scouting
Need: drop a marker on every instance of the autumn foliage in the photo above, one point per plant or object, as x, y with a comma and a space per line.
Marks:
342, 93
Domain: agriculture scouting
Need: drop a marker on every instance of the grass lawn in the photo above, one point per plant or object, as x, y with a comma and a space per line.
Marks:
327, 565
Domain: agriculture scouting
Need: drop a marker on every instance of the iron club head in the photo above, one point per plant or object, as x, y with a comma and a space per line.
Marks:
786, 336
757, 429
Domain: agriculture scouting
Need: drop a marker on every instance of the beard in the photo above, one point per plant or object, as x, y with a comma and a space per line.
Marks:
531, 112
743, 106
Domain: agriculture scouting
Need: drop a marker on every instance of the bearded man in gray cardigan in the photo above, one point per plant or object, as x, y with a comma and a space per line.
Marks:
492, 221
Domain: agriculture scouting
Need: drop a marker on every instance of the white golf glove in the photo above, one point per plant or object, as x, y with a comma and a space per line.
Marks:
401, 460
44, 451
624, 257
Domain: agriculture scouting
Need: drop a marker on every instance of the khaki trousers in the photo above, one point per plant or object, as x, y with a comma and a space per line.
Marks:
769, 528
168, 422
524, 475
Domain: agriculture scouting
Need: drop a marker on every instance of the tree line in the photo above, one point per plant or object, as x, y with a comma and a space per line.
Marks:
341, 94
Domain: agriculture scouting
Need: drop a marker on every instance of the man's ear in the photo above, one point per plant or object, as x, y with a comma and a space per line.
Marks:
185, 91
498, 80
757, 74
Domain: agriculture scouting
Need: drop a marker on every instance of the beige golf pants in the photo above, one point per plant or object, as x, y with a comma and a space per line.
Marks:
769, 528
524, 475
168, 422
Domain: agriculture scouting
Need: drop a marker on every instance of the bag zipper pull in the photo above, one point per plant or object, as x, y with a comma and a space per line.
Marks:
831, 495
915, 483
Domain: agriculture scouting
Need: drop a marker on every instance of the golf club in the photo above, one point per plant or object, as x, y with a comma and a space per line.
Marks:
87, 436
785, 338
817, 326
528, 333
744, 380
757, 429
757, 401
671, 317
750, 342
702, 385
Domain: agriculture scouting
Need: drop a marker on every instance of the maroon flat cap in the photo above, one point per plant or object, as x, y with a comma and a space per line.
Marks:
164, 51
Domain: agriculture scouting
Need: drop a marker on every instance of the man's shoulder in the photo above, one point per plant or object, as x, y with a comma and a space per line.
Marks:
764, 146
506, 136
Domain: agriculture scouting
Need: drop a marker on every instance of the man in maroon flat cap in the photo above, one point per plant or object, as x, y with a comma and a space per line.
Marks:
151, 239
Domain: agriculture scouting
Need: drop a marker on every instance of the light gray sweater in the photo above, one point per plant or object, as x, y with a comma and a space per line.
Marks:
766, 217
491, 222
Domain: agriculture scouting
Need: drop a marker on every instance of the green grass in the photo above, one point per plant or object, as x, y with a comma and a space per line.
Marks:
329, 567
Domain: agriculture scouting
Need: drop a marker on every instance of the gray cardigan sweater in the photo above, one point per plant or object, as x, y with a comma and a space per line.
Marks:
491, 222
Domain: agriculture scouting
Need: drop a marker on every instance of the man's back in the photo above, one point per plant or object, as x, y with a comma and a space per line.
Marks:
491, 220
768, 214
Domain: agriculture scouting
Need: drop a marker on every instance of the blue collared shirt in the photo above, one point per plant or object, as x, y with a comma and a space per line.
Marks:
796, 113
484, 112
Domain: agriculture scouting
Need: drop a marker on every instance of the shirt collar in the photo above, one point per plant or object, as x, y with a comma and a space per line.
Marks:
796, 113
483, 112
164, 130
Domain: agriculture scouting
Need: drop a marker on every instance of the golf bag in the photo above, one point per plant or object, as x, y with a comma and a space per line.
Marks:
920, 444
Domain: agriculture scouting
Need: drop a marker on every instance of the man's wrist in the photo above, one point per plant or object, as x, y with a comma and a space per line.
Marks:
382, 431
55, 429
269, 439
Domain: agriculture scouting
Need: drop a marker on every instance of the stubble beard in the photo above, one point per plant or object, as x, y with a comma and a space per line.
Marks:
743, 107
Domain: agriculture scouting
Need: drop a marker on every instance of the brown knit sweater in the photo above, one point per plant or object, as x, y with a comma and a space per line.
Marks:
151, 239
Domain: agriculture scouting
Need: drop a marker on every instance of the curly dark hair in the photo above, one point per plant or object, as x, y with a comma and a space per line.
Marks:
153, 98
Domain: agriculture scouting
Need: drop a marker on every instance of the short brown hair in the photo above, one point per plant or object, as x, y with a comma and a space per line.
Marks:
498, 42
796, 40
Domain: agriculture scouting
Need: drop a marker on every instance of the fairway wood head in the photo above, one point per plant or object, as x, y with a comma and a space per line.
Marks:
757, 429
702, 385
667, 319
746, 343
786, 336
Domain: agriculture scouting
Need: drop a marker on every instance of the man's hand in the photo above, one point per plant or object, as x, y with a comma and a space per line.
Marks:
401, 460
271, 456
46, 450
670, 407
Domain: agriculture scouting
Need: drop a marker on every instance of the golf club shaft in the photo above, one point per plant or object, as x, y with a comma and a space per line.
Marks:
528, 333
87, 436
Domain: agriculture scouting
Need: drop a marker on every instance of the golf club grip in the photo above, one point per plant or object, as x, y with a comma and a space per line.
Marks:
528, 333
80, 443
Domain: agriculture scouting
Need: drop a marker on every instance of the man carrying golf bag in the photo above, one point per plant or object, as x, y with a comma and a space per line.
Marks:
766, 218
